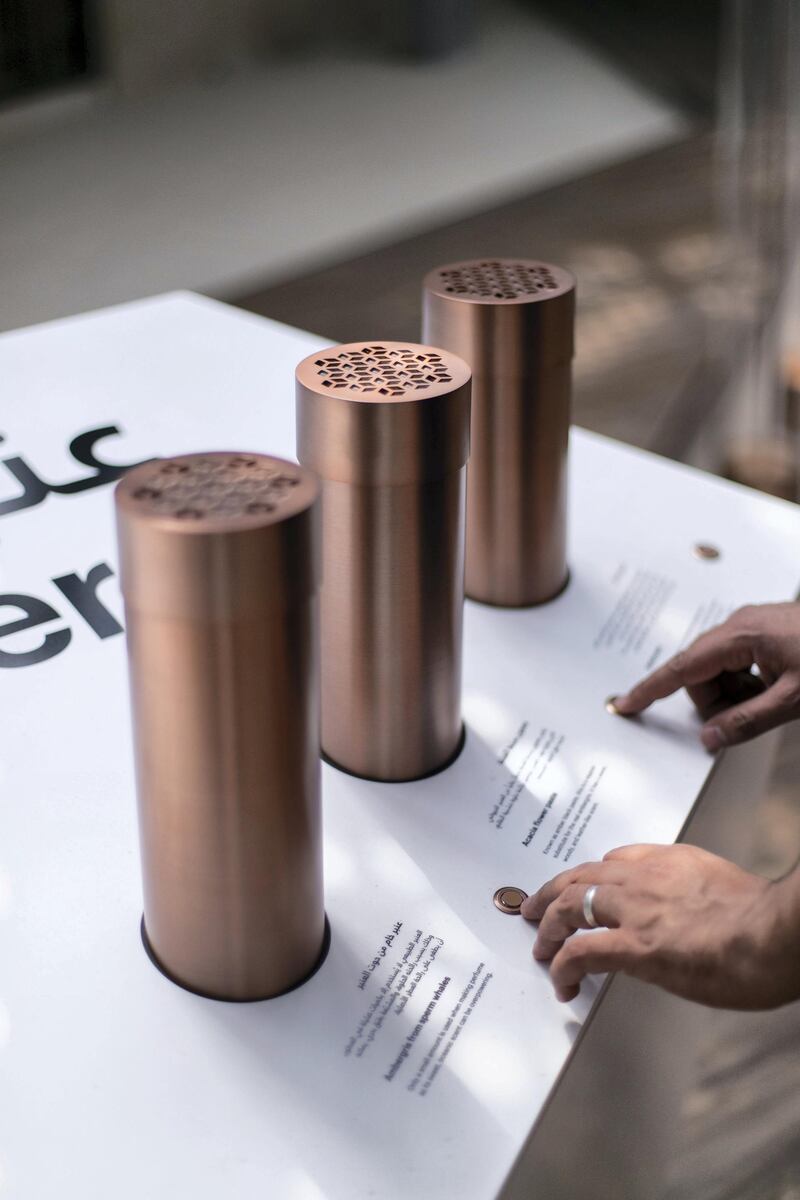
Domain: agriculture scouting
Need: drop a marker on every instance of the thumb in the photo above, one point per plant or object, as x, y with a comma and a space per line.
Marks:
773, 707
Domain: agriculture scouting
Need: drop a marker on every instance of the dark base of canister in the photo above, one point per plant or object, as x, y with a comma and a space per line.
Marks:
411, 778
326, 945
531, 604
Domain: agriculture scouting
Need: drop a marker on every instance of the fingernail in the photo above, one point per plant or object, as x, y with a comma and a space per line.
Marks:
712, 738
624, 706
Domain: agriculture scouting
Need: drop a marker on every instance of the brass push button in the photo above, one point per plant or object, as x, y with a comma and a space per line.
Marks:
509, 899
706, 551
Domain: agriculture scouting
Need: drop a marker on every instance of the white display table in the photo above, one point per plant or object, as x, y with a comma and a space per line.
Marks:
420, 1057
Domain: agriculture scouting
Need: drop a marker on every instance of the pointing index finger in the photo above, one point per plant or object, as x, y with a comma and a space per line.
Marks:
721, 649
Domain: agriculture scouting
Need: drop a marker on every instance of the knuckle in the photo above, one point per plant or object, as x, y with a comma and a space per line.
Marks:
790, 692
545, 937
677, 664
740, 722
569, 897
746, 622
644, 946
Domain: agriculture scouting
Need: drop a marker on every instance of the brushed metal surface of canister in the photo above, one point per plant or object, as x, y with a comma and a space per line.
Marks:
512, 321
386, 426
219, 565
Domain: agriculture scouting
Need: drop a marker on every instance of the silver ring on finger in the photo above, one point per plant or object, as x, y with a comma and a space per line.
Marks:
588, 906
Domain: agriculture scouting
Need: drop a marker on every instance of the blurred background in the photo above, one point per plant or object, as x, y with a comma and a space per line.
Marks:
310, 162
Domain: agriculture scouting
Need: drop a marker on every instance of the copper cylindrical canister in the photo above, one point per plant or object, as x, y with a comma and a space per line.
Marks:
219, 569
512, 320
386, 426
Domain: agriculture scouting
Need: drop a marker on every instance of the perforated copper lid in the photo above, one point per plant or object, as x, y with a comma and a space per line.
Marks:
217, 534
504, 316
500, 280
383, 412
218, 491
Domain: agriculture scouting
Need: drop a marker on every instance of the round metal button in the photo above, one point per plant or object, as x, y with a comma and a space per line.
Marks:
704, 550
509, 899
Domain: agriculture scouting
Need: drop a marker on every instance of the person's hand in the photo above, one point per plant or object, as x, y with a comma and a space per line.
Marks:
735, 704
678, 917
